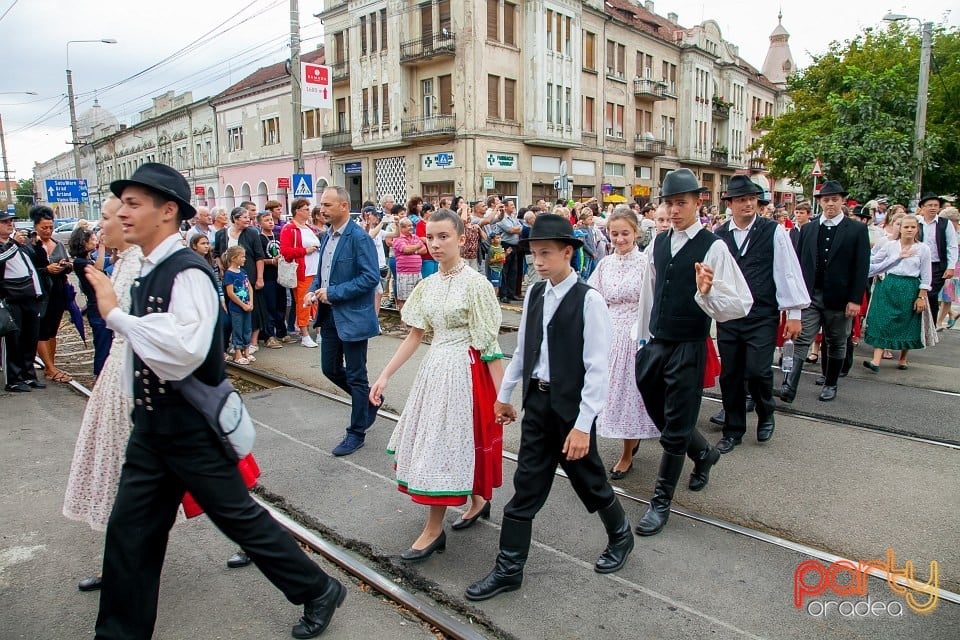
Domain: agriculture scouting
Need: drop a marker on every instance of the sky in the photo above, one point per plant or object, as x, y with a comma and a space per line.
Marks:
243, 35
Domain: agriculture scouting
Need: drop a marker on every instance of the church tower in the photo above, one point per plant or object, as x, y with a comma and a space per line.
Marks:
779, 65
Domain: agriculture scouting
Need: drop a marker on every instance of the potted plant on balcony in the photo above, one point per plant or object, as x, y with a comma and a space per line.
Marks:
718, 101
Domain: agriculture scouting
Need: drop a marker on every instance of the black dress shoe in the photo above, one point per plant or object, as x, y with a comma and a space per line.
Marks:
36, 384
619, 539
727, 443
93, 583
466, 523
17, 387
620, 475
415, 555
828, 393
719, 418
765, 429
239, 559
788, 393
701, 468
318, 612
820, 381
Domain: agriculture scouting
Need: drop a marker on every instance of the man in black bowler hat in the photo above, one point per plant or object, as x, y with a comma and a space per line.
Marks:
691, 280
835, 259
767, 259
171, 333
941, 238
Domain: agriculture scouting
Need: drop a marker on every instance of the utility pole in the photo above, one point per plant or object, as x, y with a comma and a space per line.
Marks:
295, 88
6, 173
920, 127
74, 140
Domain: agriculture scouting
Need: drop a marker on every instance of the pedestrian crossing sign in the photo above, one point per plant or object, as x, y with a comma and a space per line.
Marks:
302, 185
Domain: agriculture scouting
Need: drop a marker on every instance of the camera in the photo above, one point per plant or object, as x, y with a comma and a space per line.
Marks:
31, 234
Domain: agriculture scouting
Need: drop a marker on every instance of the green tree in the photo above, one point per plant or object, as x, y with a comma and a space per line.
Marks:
25, 196
854, 108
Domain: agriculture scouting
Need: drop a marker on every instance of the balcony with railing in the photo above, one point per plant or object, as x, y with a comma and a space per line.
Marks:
755, 121
441, 126
721, 111
649, 147
719, 157
649, 89
336, 140
758, 164
340, 70
432, 45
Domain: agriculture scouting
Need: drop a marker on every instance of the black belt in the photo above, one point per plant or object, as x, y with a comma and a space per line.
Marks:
542, 385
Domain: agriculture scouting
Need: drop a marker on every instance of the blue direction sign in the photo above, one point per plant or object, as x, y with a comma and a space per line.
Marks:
66, 191
302, 185
11, 208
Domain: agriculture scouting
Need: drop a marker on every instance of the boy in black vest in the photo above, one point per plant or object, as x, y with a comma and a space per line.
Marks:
769, 264
691, 279
172, 333
561, 359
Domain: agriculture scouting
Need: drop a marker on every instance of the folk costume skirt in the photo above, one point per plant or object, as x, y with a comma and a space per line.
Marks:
891, 321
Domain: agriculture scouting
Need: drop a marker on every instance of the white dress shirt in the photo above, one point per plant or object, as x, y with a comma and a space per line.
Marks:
175, 343
596, 350
930, 239
729, 297
830, 222
792, 295
886, 259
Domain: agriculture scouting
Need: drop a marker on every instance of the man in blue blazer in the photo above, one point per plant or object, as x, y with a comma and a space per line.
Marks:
346, 280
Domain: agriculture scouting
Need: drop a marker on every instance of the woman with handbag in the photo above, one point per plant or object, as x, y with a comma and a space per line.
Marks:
53, 275
298, 243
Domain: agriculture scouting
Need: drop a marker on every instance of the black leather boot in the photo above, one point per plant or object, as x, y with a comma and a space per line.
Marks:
671, 465
619, 538
707, 457
507, 574
790, 382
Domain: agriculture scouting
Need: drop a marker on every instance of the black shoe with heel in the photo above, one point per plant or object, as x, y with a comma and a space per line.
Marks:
465, 523
439, 545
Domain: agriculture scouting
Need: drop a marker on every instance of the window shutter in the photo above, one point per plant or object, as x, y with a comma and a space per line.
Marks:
493, 7
509, 28
509, 99
493, 97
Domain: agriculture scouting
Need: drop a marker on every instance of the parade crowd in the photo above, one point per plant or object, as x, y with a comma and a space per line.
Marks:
628, 313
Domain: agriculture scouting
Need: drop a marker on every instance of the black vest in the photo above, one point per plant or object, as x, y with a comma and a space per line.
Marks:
675, 316
825, 237
565, 344
151, 294
756, 265
941, 240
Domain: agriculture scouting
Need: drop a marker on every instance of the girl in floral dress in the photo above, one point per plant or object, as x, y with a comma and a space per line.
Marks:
619, 279
447, 445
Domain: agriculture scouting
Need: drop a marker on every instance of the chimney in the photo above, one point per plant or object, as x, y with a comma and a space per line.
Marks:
648, 5
672, 17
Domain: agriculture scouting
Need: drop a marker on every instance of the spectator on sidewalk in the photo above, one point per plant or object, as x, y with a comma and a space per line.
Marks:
83, 242
22, 293
408, 249
273, 305
299, 242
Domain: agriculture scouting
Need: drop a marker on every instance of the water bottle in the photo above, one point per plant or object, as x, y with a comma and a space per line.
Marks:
786, 364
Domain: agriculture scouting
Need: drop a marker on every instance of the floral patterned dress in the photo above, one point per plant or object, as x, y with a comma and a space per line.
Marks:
447, 444
105, 429
619, 279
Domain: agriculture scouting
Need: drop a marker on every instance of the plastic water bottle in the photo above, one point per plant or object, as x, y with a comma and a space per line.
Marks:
786, 352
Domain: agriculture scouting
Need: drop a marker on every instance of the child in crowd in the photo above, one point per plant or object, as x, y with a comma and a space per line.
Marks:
496, 257
237, 287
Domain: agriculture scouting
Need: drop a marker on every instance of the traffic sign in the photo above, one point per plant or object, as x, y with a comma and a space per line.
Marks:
199, 191
11, 208
788, 197
66, 191
817, 169
283, 183
303, 185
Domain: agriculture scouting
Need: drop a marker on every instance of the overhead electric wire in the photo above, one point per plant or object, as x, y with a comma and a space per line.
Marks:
38, 120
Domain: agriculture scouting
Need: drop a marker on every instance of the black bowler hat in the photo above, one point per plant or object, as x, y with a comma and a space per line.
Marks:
741, 185
930, 195
550, 226
831, 188
863, 212
680, 181
163, 179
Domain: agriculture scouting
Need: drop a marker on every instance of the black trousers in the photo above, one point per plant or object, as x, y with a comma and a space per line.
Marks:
21, 346
542, 434
670, 380
746, 353
274, 298
936, 284
511, 268
165, 457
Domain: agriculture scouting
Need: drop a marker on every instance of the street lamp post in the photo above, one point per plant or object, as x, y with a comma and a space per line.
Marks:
920, 125
75, 141
3, 147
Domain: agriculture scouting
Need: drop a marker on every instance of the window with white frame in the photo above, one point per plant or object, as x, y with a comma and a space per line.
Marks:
614, 169
271, 130
235, 138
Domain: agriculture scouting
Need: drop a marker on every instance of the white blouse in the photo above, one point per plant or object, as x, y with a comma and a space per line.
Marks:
886, 259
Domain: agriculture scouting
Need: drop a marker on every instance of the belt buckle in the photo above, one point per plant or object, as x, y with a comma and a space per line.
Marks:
543, 386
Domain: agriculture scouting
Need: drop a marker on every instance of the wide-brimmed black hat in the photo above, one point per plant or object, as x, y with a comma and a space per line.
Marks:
830, 188
930, 195
680, 181
741, 185
550, 226
863, 212
163, 179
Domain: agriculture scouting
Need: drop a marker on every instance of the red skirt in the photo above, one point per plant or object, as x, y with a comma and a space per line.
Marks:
712, 368
249, 471
487, 440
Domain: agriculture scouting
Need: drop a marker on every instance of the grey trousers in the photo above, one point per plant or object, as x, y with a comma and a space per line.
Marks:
836, 327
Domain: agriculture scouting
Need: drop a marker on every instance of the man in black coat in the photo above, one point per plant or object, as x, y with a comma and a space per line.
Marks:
835, 259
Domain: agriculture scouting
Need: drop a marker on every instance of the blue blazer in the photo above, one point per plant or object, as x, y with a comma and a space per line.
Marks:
353, 281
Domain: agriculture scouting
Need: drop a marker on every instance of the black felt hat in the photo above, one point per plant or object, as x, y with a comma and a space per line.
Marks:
830, 188
680, 181
164, 180
930, 195
741, 185
550, 226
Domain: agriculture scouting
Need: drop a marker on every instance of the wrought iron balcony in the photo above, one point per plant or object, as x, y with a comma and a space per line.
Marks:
337, 140
721, 111
758, 164
428, 127
340, 70
442, 43
649, 148
649, 89
719, 157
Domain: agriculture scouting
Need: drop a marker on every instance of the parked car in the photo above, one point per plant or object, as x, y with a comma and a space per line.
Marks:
63, 232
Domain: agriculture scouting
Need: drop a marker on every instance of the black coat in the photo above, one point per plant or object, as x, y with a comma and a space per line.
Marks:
249, 240
846, 277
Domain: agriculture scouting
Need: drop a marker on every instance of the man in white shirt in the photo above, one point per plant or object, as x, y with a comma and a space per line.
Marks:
941, 238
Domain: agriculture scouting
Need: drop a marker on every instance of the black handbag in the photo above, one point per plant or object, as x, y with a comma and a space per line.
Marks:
8, 324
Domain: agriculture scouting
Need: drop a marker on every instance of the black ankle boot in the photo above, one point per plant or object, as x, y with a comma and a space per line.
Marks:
788, 391
671, 465
702, 463
507, 574
619, 538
